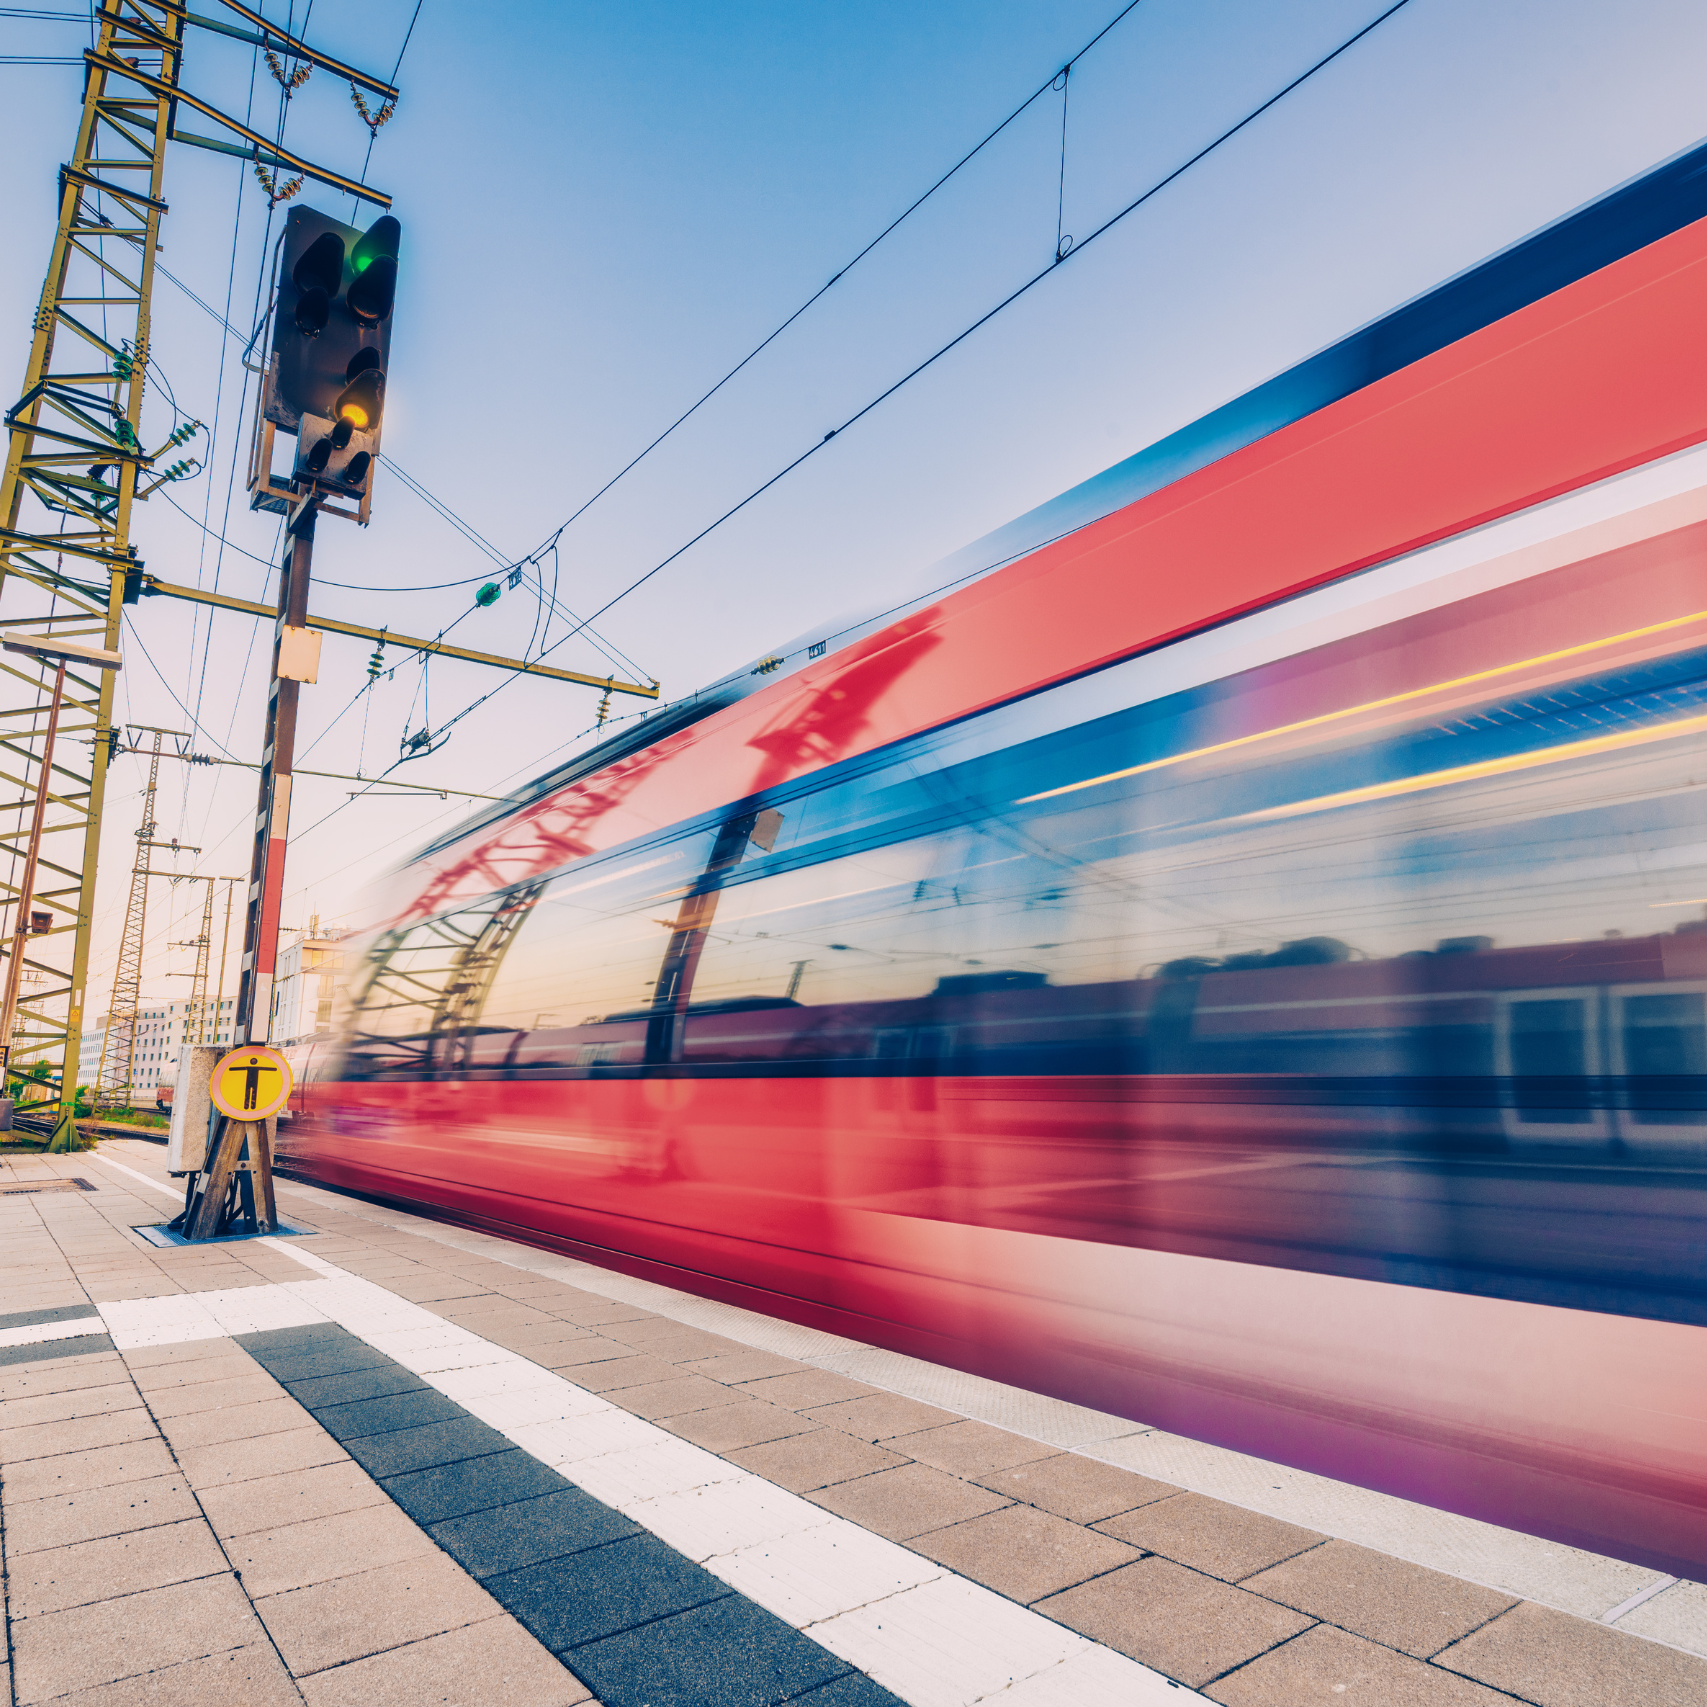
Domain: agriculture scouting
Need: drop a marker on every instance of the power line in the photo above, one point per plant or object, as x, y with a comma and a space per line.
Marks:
894, 224
983, 320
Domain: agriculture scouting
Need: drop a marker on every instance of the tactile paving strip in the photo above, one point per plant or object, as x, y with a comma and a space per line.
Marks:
639, 1623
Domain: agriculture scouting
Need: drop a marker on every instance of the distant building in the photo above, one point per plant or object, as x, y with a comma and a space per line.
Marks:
310, 969
163, 1028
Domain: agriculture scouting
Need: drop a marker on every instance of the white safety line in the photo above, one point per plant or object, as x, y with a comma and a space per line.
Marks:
1638, 1599
35, 1333
152, 1184
931, 1637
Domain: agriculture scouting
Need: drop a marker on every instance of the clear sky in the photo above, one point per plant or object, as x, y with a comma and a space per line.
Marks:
605, 207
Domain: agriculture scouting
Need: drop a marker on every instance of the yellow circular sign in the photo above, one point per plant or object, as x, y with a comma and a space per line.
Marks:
251, 1083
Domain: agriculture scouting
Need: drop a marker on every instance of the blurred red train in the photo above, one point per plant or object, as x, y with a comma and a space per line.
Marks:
1241, 966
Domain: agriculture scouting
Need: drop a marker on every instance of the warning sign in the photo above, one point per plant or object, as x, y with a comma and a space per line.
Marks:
252, 1083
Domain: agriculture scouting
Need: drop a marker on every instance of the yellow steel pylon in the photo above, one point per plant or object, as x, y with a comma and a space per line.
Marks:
73, 460
74, 468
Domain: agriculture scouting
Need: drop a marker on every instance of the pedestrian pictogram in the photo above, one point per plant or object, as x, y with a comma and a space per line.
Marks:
252, 1083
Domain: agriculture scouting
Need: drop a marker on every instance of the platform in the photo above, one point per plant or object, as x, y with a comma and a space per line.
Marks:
393, 1461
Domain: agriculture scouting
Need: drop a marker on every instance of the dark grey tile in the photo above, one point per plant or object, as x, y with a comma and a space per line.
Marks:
729, 1653
474, 1484
370, 1383
35, 1318
853, 1690
79, 1345
293, 1342
302, 1358
386, 1414
509, 1537
565, 1602
441, 1443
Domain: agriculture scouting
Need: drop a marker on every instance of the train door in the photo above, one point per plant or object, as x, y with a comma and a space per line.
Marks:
1659, 1052
1550, 1055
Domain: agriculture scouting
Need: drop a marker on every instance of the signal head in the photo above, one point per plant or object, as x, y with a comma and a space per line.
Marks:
361, 402
318, 275
374, 288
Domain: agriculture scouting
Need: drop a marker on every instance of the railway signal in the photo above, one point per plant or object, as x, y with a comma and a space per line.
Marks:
331, 343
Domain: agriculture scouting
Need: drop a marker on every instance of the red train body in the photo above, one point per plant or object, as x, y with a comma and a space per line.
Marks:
1234, 967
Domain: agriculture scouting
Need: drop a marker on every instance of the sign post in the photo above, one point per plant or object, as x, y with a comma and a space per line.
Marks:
235, 1191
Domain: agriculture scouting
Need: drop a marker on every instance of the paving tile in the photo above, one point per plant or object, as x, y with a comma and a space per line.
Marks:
371, 1383
1080, 1489
654, 1333
1226, 1541
289, 1368
294, 1555
351, 1617
1023, 1553
64, 1519
744, 1366
162, 1357
815, 1459
851, 1689
58, 1577
429, 1288
293, 1496
970, 1448
659, 1399
1180, 1622
98, 1467
360, 1418
907, 1501
41, 1316
805, 1388
728, 1653
528, 1532
88, 1645
156, 1379
882, 1416
234, 1423
451, 1490
495, 1663
608, 1374
252, 1676
725, 1428
61, 1376
53, 1351
1402, 1605
254, 1387
53, 1440
28, 1409
245, 1460
404, 1449
1556, 1660
584, 1596
575, 1354
1327, 1665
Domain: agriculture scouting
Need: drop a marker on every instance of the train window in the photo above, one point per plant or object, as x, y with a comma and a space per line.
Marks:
1346, 864
1665, 1044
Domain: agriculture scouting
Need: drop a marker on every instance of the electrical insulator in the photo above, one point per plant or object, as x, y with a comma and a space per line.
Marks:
488, 595
376, 663
124, 365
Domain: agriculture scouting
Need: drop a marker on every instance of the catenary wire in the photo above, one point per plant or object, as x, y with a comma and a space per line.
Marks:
848, 266
982, 321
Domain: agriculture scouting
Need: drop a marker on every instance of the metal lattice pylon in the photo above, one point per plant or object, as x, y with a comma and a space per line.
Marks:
114, 1083
73, 461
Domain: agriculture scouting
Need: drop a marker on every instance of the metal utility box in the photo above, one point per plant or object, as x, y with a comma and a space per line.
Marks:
186, 1149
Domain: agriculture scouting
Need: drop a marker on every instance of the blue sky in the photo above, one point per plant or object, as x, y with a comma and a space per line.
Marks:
604, 207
